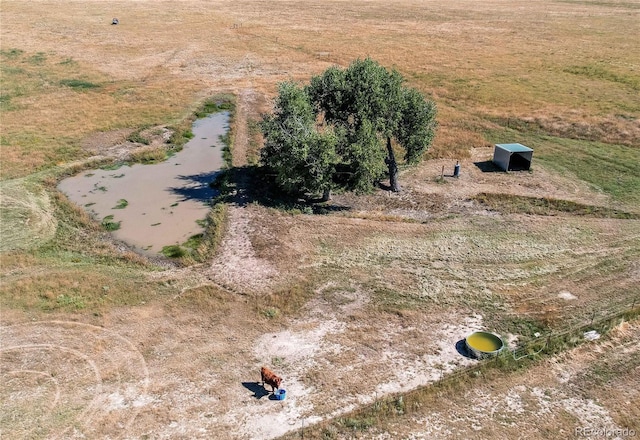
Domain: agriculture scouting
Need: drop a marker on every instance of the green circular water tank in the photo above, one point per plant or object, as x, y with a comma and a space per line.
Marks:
484, 344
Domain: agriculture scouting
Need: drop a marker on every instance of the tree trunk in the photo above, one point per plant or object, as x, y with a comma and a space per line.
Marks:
326, 195
393, 167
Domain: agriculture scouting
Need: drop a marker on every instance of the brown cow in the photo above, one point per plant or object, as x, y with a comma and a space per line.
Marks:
270, 378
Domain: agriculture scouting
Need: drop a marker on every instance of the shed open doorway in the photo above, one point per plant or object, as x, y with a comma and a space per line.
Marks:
512, 157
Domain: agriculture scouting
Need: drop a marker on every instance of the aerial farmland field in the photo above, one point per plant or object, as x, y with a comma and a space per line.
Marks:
360, 304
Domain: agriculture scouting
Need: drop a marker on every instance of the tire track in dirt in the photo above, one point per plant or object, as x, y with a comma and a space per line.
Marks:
66, 379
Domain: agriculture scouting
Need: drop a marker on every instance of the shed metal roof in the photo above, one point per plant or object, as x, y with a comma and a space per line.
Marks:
514, 148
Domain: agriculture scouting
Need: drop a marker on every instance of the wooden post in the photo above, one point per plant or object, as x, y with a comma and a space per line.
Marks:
548, 345
442, 175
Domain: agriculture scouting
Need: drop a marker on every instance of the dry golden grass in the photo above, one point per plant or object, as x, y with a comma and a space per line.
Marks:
478, 61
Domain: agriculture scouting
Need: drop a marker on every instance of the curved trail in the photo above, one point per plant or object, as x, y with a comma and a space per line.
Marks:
71, 378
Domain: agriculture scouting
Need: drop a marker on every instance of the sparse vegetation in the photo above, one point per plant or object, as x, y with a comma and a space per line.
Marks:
367, 298
174, 251
109, 224
149, 155
138, 138
218, 103
510, 203
78, 84
122, 203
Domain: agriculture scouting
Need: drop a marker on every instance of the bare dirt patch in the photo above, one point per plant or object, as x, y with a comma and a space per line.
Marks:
587, 389
117, 144
199, 356
237, 264
72, 380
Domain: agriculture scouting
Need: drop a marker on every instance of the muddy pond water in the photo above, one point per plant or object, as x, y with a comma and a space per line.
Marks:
157, 205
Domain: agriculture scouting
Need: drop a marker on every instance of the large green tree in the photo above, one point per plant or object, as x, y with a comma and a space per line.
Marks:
303, 157
353, 119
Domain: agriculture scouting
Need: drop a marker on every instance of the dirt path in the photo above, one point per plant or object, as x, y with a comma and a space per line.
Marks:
236, 265
245, 105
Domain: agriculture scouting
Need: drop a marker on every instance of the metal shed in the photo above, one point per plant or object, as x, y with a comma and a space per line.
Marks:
512, 157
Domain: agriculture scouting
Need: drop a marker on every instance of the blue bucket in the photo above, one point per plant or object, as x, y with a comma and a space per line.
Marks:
281, 394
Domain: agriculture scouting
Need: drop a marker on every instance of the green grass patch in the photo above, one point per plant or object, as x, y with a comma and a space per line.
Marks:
195, 249
525, 328
194, 241
5, 101
255, 142
204, 245
70, 302
11, 53
78, 84
609, 168
218, 103
227, 156
121, 204
271, 312
109, 224
595, 71
173, 251
510, 203
38, 58
357, 424
613, 169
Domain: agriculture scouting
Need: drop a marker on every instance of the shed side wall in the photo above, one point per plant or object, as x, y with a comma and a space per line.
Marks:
501, 158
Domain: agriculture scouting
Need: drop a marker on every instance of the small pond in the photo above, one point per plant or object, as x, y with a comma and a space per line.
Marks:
157, 205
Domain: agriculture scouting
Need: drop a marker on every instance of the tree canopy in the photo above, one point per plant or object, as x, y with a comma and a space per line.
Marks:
340, 130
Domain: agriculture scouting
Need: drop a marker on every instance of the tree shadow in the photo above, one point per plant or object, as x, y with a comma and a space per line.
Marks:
258, 390
461, 347
198, 187
384, 186
488, 166
252, 184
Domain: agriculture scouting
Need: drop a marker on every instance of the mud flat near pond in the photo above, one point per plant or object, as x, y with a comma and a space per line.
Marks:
157, 205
